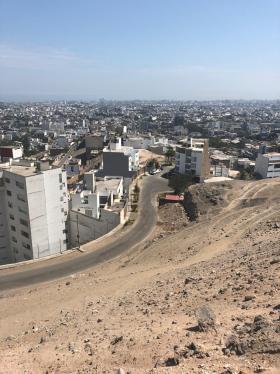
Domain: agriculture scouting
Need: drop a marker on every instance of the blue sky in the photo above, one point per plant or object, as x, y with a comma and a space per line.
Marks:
128, 49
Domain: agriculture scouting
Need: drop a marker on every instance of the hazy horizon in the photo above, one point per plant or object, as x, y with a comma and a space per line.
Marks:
184, 50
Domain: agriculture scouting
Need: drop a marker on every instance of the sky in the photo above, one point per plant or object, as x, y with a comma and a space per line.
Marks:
139, 49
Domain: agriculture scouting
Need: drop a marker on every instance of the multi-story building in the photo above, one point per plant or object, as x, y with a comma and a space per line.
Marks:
191, 156
97, 209
33, 213
9, 152
268, 165
119, 161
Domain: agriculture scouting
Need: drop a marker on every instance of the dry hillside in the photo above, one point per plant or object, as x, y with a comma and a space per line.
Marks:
199, 297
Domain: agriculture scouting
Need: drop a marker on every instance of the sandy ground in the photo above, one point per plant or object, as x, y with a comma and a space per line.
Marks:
198, 297
145, 155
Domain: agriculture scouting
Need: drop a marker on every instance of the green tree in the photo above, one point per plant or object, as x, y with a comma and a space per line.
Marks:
153, 164
180, 182
26, 144
169, 154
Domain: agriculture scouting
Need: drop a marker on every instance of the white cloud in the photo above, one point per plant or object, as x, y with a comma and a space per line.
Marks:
43, 59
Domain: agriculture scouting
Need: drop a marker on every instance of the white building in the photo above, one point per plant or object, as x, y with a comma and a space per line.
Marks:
34, 207
189, 156
268, 165
96, 210
140, 142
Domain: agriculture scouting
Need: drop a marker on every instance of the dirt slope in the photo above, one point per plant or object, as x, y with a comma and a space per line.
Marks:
204, 299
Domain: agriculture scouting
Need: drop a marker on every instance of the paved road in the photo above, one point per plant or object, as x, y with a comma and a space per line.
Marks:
69, 153
27, 275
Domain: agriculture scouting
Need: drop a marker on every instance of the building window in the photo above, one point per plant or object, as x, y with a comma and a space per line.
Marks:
10, 205
14, 239
25, 245
20, 185
23, 222
7, 180
13, 228
25, 234
12, 217
60, 178
9, 193
22, 210
20, 198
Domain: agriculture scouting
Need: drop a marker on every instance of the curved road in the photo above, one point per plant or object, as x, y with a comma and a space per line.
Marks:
30, 274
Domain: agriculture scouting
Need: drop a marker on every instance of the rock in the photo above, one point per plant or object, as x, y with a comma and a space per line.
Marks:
67, 283
172, 361
88, 349
120, 371
276, 307
71, 348
234, 345
189, 280
275, 261
249, 298
259, 323
116, 340
205, 318
42, 340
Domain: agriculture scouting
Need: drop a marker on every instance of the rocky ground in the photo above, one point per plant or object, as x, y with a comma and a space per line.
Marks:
201, 297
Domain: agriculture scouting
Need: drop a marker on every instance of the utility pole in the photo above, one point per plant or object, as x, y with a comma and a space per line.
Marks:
78, 233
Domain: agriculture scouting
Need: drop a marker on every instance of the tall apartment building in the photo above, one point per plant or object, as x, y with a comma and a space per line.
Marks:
33, 213
192, 157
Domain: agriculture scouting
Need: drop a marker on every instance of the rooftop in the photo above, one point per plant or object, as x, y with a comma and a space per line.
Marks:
24, 171
272, 154
107, 184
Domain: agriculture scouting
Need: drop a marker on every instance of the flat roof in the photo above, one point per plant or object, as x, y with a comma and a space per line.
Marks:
107, 184
271, 154
10, 146
25, 171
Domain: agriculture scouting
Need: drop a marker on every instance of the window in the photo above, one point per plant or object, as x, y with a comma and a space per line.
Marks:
13, 228
9, 193
20, 185
25, 234
60, 178
7, 180
12, 217
14, 239
22, 210
10, 205
23, 222
25, 245
20, 198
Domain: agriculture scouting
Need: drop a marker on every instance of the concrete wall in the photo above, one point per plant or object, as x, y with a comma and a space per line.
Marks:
90, 228
116, 164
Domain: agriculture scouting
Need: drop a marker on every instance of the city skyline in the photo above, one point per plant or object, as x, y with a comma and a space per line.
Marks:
187, 50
